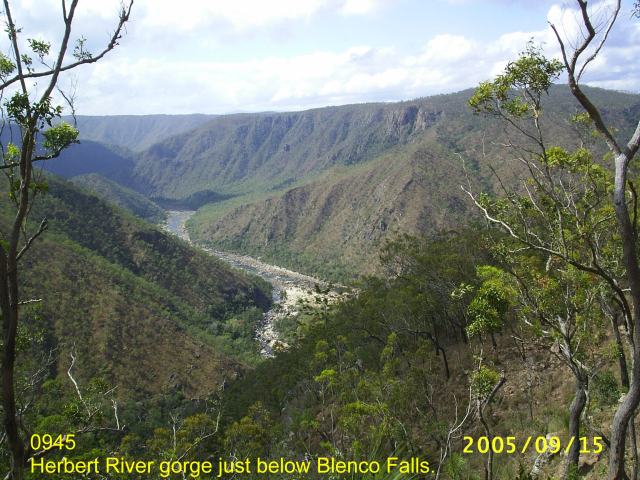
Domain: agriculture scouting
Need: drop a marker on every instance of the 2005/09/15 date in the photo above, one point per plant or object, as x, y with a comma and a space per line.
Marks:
540, 444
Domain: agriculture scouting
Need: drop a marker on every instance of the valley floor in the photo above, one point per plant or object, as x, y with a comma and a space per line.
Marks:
289, 288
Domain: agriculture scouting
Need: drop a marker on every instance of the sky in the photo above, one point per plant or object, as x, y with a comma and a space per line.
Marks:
226, 56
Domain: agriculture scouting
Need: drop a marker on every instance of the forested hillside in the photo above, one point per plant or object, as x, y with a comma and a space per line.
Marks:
485, 323
330, 186
135, 132
335, 223
138, 307
479, 342
465, 303
121, 196
335, 226
257, 152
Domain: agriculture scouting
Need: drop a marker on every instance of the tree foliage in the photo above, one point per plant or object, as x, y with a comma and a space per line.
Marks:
29, 83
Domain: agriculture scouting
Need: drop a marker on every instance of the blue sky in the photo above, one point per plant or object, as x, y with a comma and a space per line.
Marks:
220, 56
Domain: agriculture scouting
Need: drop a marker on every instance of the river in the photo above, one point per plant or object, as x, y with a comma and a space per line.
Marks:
289, 287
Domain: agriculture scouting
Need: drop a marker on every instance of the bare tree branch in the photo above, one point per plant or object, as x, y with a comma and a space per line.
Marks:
113, 42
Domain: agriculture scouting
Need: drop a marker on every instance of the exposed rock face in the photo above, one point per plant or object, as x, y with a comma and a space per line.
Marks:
329, 186
277, 147
384, 169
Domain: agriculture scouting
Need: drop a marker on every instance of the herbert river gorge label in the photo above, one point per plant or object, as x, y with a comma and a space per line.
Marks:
222, 468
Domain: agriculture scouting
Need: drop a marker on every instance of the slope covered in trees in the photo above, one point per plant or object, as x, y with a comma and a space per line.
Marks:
503, 350
335, 223
123, 197
321, 190
135, 305
257, 152
398, 371
86, 157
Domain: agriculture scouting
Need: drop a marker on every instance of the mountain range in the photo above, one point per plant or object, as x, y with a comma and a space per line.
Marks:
320, 190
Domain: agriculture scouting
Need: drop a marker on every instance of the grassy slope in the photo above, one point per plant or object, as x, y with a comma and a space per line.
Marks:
139, 306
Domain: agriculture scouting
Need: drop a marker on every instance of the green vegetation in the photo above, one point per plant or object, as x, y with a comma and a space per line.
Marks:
392, 371
136, 316
121, 196
135, 278
334, 223
460, 333
507, 349
330, 185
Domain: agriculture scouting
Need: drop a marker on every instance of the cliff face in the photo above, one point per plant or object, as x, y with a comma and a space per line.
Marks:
243, 153
388, 170
321, 190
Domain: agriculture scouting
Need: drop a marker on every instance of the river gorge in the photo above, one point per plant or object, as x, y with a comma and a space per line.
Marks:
289, 287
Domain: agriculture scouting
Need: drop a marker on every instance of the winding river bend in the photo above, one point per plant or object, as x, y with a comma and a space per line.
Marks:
288, 286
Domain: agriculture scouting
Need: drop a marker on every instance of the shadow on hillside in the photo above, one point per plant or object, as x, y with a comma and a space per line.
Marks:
192, 202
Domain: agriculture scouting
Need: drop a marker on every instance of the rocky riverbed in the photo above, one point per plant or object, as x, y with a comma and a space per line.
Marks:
289, 287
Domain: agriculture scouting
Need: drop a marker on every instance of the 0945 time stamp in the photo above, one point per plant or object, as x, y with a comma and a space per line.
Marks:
539, 444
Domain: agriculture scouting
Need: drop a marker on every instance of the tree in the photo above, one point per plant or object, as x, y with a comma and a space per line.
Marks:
585, 220
485, 384
424, 275
252, 435
575, 64
30, 79
559, 305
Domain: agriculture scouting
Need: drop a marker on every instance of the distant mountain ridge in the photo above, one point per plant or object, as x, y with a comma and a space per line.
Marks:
251, 152
323, 189
135, 132
88, 157
335, 223
140, 307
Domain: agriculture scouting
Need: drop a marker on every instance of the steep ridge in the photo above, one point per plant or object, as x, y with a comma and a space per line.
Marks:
123, 197
136, 132
321, 190
237, 154
258, 152
334, 225
140, 308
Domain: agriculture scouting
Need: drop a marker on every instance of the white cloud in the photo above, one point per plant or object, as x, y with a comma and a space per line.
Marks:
244, 14
131, 80
359, 7
353, 75
241, 14
446, 49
